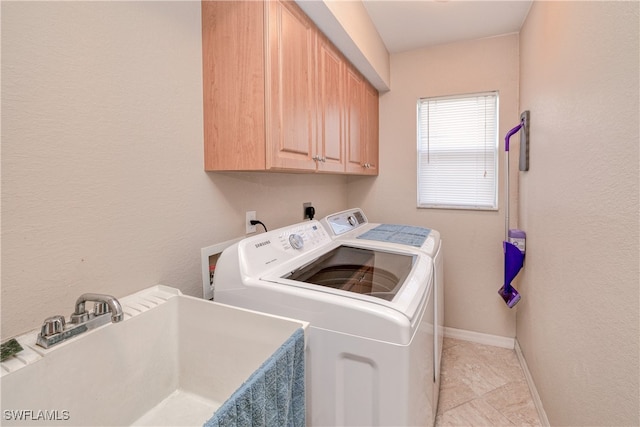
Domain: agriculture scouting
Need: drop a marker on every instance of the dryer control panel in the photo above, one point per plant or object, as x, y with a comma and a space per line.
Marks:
344, 221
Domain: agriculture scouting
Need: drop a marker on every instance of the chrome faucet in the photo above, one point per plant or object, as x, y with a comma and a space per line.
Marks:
103, 301
55, 329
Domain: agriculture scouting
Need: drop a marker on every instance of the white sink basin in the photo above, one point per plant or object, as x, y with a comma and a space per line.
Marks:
172, 361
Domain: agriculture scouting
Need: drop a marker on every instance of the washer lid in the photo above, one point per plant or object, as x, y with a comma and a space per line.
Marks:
400, 279
360, 270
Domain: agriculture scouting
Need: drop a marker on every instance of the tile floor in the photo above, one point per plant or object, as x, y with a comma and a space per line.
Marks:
482, 385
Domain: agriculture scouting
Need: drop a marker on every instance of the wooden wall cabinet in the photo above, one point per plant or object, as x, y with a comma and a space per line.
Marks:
362, 125
331, 108
276, 92
290, 88
354, 122
370, 101
258, 74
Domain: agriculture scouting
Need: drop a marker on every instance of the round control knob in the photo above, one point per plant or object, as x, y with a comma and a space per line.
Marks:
296, 241
351, 220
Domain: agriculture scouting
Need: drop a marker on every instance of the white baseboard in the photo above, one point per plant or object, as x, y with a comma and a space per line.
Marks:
480, 338
532, 387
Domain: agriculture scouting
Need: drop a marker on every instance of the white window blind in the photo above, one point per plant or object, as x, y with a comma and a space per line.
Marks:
458, 151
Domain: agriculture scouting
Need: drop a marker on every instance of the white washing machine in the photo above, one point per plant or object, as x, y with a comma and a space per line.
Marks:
370, 304
353, 224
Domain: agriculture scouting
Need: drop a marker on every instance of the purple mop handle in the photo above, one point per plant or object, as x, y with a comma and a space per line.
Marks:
510, 134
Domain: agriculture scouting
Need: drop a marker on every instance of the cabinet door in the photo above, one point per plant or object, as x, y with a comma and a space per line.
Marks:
354, 121
370, 129
330, 147
233, 83
290, 88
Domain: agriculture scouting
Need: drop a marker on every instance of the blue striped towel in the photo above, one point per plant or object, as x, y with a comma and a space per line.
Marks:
395, 233
273, 396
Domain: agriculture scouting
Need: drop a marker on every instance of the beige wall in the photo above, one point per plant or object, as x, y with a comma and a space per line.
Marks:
578, 321
472, 239
103, 187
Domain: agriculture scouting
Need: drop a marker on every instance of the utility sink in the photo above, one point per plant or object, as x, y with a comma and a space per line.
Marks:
172, 361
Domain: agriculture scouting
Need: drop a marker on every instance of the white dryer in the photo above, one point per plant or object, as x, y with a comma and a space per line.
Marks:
370, 306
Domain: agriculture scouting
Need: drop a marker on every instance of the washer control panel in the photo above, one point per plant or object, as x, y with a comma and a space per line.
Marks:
302, 237
278, 246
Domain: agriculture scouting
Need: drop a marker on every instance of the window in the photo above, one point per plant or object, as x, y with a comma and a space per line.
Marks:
458, 152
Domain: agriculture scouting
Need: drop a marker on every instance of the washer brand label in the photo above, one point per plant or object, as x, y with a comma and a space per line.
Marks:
263, 243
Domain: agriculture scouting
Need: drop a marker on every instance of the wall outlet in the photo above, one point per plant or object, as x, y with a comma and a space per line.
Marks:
251, 215
304, 209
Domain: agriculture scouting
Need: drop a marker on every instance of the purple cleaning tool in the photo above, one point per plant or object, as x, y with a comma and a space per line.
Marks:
510, 295
510, 134
513, 260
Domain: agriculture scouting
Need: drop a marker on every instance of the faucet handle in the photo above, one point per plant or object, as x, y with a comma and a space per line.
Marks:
52, 325
101, 307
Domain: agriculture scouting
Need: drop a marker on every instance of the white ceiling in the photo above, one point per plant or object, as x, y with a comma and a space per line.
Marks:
407, 25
